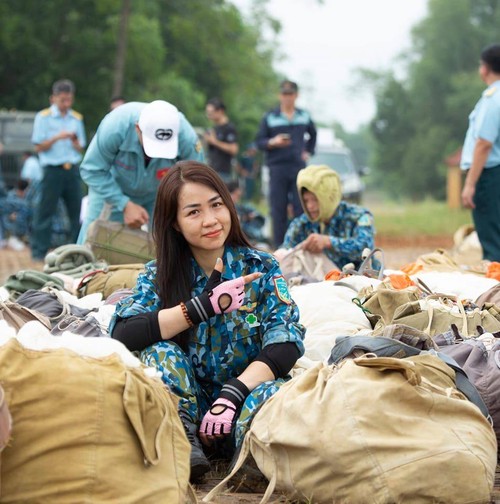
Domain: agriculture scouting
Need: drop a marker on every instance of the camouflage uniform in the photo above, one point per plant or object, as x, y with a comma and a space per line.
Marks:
222, 347
350, 230
14, 204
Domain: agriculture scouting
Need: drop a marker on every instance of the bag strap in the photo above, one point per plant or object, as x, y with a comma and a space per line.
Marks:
460, 306
365, 269
5, 421
387, 347
66, 309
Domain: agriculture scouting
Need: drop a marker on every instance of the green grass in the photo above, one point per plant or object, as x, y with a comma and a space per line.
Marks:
432, 218
410, 219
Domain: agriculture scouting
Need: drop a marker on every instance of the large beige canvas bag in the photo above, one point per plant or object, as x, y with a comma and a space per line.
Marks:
89, 430
374, 430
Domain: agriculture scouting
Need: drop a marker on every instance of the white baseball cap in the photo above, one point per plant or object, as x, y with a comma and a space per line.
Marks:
159, 123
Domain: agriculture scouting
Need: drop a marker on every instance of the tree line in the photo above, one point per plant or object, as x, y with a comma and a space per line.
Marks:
189, 51
422, 119
182, 51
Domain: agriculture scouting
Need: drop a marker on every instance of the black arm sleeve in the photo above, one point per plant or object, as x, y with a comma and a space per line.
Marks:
139, 331
280, 357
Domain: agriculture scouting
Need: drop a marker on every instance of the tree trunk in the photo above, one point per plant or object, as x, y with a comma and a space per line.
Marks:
121, 49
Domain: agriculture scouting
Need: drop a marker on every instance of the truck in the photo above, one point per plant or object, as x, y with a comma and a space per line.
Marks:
15, 136
332, 152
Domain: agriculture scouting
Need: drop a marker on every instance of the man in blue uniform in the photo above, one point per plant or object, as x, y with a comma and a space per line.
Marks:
481, 157
59, 138
329, 226
287, 135
133, 148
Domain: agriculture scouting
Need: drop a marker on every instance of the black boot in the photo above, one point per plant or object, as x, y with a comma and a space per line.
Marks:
198, 460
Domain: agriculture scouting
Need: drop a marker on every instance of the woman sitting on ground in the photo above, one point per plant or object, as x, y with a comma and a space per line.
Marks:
213, 314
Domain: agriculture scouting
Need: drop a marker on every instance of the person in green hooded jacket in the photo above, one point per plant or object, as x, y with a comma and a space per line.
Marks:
329, 225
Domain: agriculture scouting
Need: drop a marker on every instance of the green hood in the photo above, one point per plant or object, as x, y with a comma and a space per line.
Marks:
325, 184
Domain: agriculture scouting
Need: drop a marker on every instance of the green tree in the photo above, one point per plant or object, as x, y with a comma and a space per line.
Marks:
422, 119
184, 52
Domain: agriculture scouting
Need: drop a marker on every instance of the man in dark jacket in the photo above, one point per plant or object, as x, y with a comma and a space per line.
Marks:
287, 135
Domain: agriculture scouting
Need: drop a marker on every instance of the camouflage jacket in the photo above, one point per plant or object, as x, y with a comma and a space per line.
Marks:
351, 230
222, 347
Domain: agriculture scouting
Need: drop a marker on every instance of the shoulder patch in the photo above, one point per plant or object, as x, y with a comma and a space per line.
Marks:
365, 220
45, 112
77, 115
198, 147
281, 289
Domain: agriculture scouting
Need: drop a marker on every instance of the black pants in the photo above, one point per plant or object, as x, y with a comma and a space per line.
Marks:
486, 215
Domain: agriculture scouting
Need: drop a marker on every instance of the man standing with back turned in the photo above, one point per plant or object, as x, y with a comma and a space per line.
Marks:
481, 157
59, 138
282, 136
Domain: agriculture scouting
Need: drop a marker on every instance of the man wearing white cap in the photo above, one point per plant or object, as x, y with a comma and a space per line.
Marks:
133, 148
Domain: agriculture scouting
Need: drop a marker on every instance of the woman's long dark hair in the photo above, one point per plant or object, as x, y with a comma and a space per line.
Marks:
173, 254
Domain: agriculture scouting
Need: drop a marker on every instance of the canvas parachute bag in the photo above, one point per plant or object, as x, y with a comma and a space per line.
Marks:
116, 243
301, 262
24, 280
109, 280
17, 315
437, 313
373, 430
88, 429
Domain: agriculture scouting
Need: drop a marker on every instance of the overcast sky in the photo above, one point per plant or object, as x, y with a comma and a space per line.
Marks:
325, 43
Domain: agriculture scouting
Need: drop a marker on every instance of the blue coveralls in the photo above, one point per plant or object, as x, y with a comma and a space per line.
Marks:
115, 169
61, 178
484, 122
224, 346
284, 163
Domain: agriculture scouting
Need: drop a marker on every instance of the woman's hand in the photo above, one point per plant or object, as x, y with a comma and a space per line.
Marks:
219, 419
219, 296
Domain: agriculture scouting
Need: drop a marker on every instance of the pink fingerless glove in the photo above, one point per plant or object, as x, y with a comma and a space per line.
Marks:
218, 423
217, 297
232, 288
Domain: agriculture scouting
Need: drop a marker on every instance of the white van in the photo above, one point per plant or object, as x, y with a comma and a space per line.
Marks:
332, 152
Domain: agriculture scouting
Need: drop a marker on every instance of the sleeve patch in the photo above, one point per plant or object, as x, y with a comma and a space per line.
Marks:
198, 146
281, 289
365, 220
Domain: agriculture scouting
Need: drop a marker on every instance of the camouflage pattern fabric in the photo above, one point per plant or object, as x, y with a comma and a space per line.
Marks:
178, 374
222, 347
351, 230
15, 214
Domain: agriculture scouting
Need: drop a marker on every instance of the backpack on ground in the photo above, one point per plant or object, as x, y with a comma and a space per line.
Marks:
17, 315
88, 428
480, 358
25, 280
109, 280
373, 429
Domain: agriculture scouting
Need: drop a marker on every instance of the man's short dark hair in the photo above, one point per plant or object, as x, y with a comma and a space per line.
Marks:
22, 184
491, 56
232, 185
117, 98
216, 103
63, 86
